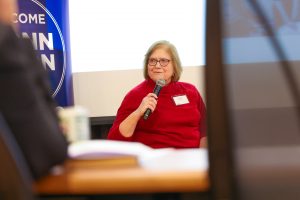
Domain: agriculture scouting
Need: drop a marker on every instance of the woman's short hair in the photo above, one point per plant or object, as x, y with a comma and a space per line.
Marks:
171, 49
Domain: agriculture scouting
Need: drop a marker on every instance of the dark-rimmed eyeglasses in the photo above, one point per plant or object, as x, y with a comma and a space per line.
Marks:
163, 62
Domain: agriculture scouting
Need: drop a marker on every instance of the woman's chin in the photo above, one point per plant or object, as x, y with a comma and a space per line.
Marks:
156, 77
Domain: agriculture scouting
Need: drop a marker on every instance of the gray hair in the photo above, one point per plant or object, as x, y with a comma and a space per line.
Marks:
171, 49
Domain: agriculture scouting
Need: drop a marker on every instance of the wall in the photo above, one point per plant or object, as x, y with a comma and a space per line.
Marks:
102, 92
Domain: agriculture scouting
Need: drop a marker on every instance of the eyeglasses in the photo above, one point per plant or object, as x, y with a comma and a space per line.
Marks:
163, 62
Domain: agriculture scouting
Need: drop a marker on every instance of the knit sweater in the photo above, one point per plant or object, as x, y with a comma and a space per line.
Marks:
172, 124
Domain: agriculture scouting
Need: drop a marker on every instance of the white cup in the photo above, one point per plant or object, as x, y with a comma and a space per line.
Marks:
75, 123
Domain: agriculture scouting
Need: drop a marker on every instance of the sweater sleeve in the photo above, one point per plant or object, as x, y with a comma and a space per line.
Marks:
202, 109
126, 107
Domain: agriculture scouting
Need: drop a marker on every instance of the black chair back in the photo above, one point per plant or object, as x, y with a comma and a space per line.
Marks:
15, 178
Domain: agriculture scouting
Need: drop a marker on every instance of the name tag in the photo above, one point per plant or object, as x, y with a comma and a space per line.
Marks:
180, 100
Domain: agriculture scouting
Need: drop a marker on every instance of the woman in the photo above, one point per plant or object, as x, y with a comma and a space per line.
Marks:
178, 114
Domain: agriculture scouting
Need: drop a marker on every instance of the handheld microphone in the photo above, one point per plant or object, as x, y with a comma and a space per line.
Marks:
159, 84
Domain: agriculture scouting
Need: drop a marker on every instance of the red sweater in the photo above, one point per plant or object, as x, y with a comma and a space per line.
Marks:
170, 125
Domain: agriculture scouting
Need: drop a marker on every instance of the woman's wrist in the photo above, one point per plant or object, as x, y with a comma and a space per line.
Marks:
138, 113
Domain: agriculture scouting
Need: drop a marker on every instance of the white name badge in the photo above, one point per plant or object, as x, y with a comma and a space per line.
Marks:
180, 100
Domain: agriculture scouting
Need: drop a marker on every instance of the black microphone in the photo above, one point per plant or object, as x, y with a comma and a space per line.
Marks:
159, 84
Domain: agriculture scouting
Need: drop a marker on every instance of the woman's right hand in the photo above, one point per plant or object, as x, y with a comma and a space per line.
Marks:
128, 125
148, 101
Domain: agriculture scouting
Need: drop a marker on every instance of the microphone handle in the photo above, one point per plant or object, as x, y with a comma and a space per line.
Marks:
148, 111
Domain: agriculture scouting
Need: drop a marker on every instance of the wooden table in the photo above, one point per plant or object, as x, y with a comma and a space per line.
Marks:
180, 171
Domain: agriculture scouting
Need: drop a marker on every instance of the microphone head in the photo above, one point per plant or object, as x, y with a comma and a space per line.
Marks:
161, 82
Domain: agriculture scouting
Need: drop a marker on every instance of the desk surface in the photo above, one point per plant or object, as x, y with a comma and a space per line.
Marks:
180, 171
